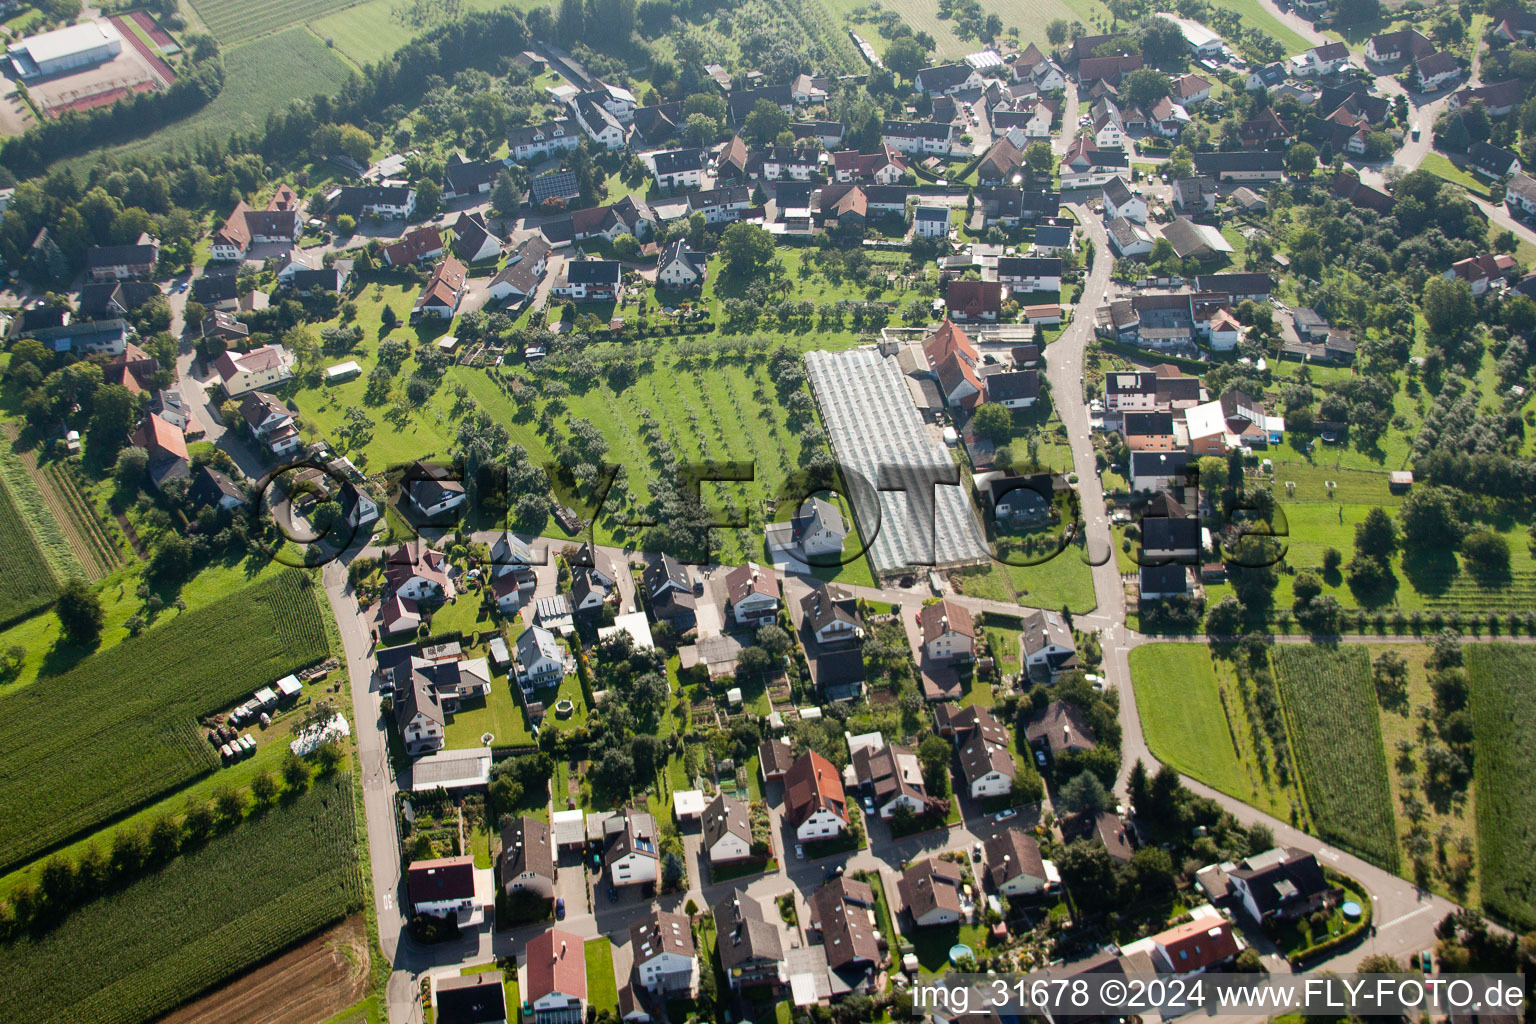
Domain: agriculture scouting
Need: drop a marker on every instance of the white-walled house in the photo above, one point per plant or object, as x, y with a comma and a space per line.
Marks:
540, 662
1014, 863
557, 977
528, 858
666, 961
727, 830
444, 887
813, 798
948, 632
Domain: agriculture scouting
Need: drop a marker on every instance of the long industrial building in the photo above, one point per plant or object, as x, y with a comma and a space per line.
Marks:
64, 49
876, 433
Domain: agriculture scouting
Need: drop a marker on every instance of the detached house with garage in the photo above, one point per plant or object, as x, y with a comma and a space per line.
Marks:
986, 759
727, 830
1014, 863
680, 267
418, 573
630, 851
1280, 884
540, 662
419, 245
444, 887
813, 798
752, 596
264, 367
441, 294
270, 422
432, 490
893, 776
420, 717
948, 632
528, 858
280, 222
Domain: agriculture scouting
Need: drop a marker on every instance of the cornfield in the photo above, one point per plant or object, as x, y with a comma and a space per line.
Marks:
1503, 735
1335, 727
205, 917
117, 730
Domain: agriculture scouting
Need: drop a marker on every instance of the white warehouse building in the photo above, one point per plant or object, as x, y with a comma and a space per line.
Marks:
64, 49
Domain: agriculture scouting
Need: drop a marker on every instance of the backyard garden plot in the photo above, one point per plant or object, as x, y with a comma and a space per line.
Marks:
237, 21
1504, 734
29, 581
1335, 730
119, 728
205, 916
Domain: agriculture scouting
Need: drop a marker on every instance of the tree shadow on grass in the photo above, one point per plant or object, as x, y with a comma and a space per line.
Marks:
1430, 571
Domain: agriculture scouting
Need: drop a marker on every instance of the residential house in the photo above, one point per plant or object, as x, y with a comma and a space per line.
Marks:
884, 167
1265, 78
1130, 391
678, 168
1196, 241
556, 978
1483, 273
1120, 200
417, 572
166, 447
1403, 44
1195, 194
528, 858
463, 178
384, 202
818, 528
432, 489
918, 138
529, 143
591, 281
270, 421
986, 758
930, 891
442, 887
473, 240
211, 488
947, 79
843, 912
1436, 70
1148, 431
1015, 389
1060, 728
601, 126
264, 367
1085, 165
1242, 165
1128, 238
120, 262
1281, 884
893, 776
748, 943
785, 164
1492, 161
948, 632
444, 289
828, 133
631, 853
560, 184
752, 596
1046, 642
1236, 287
1052, 240
1499, 99
418, 710
1110, 70
1030, 273
1155, 471
280, 222
1167, 118
597, 565
1321, 60
974, 300
525, 268
540, 662
1003, 164
665, 960
813, 798
680, 267
1349, 187
1195, 946
471, 998
1160, 582
831, 614
727, 829
1520, 194
1188, 90
1014, 863
775, 758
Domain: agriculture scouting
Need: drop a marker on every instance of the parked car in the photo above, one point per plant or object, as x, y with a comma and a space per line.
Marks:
799, 852
613, 894
1415, 133
1004, 815
1040, 758
869, 806
560, 908
976, 853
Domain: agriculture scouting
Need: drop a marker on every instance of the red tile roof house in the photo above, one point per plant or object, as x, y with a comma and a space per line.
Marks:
752, 595
1490, 270
418, 573
814, 799
556, 984
974, 300
166, 446
948, 632
1195, 946
443, 888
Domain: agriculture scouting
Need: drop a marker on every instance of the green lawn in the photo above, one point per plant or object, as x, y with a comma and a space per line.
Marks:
1439, 164
498, 714
1197, 723
602, 989
1064, 580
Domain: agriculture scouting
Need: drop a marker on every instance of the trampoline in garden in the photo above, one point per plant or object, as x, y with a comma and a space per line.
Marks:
1351, 910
